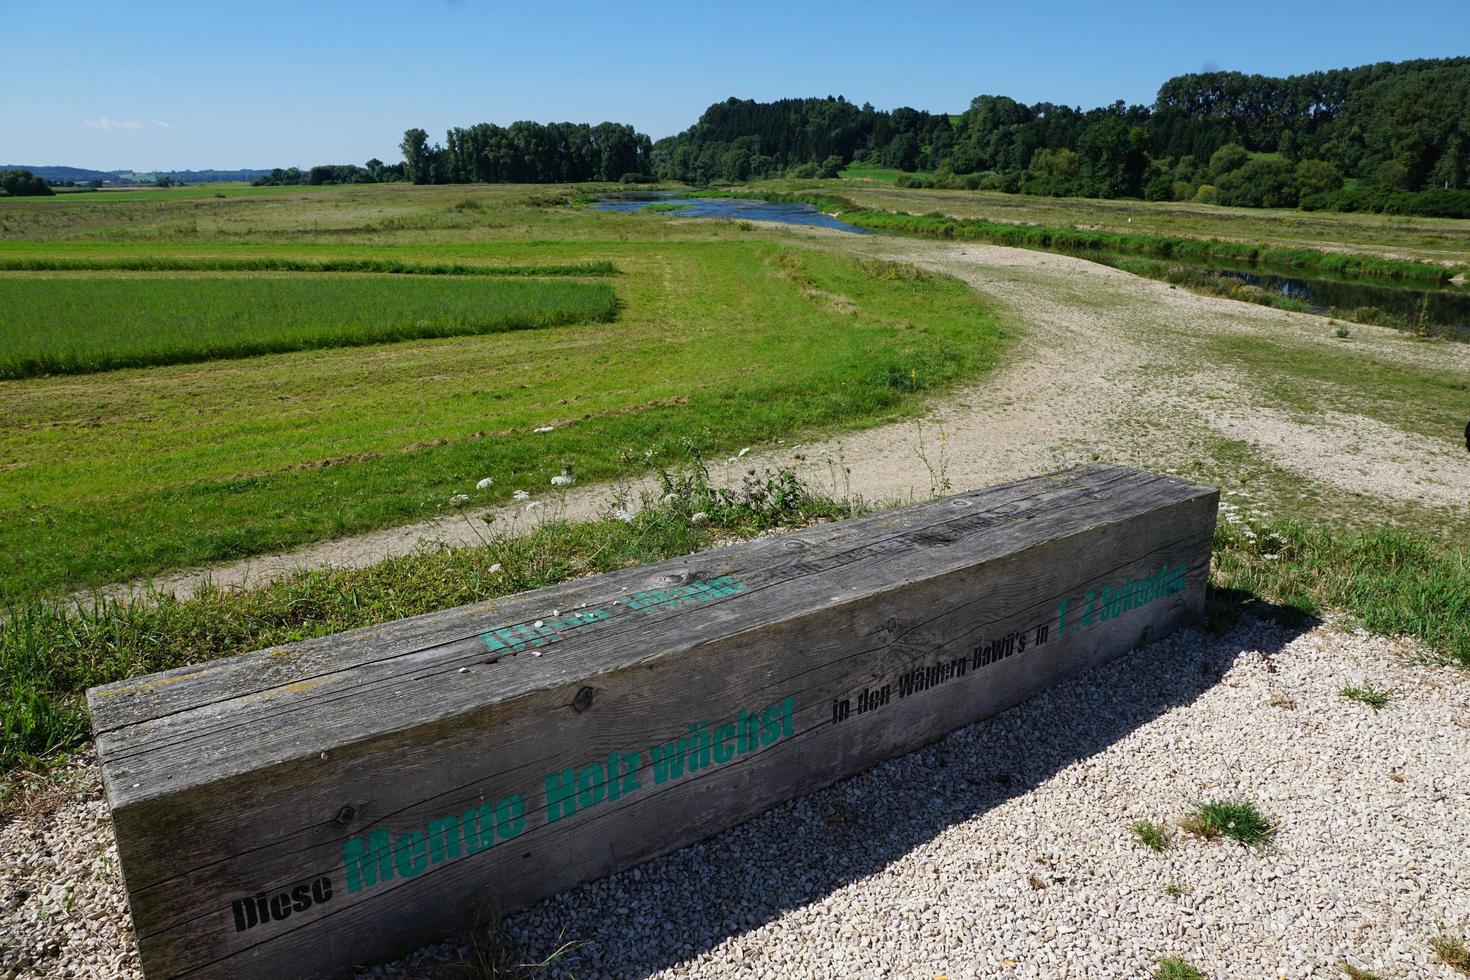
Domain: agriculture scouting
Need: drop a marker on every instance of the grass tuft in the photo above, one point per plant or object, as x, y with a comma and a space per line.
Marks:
1367, 694
1173, 968
1152, 835
1240, 821
1452, 951
1354, 972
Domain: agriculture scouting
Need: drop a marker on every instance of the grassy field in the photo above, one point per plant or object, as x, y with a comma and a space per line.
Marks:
873, 173
1441, 240
77, 323
724, 337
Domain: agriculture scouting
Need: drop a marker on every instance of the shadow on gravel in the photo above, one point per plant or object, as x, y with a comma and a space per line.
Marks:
676, 907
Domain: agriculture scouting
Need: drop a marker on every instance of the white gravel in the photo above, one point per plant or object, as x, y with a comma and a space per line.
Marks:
1004, 849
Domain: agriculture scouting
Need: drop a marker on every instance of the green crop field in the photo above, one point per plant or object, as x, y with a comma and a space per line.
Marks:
722, 337
75, 323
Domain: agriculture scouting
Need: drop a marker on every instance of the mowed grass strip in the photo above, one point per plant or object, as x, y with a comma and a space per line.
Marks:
81, 324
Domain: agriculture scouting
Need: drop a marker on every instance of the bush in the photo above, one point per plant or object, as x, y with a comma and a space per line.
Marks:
830, 167
1263, 183
1228, 159
1207, 194
638, 179
1009, 183
1377, 199
23, 183
1159, 188
1317, 177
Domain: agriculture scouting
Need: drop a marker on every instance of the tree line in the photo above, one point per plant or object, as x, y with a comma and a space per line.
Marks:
1398, 131
524, 153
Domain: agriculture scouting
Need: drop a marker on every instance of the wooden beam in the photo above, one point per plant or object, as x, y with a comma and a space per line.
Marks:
304, 809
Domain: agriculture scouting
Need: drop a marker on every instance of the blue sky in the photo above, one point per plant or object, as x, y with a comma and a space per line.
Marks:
166, 85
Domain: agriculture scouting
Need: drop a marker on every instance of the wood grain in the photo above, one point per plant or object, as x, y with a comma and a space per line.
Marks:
481, 758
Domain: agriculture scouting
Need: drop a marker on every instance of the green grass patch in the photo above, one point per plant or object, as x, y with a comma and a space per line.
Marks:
1367, 694
871, 171
1173, 968
667, 206
726, 343
74, 325
267, 263
1153, 836
51, 653
1393, 582
1238, 820
1452, 952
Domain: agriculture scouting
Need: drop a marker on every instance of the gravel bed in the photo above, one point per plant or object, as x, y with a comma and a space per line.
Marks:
1003, 850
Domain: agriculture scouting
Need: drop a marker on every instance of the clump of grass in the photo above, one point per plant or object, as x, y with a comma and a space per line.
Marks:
1452, 951
490, 953
1354, 972
1340, 332
1366, 694
1152, 835
1173, 968
1238, 820
1175, 890
50, 653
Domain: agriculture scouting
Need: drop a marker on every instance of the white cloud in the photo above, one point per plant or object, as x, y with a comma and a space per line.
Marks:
102, 122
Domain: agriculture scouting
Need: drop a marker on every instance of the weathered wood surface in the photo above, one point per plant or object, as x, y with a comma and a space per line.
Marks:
300, 810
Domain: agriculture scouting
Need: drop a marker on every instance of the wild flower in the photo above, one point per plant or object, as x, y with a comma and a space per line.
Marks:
699, 518
521, 495
459, 500
623, 514
562, 480
742, 452
485, 483
533, 505
496, 568
545, 428
670, 498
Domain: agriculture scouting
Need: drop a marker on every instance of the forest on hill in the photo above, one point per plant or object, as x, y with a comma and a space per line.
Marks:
1393, 136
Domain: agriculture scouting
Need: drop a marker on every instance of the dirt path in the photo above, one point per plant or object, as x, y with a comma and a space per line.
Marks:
1108, 366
